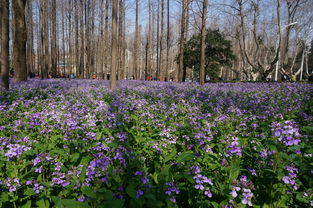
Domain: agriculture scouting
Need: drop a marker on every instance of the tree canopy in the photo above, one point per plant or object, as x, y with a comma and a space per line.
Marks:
218, 53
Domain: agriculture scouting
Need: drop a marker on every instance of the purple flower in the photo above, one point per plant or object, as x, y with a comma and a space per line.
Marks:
173, 199
139, 193
199, 186
208, 193
252, 171
81, 198
37, 188
247, 196
144, 180
16, 150
39, 170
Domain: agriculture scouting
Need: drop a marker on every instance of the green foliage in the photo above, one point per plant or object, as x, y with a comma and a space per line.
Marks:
218, 53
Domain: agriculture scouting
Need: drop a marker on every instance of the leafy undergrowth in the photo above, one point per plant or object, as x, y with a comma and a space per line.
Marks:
153, 144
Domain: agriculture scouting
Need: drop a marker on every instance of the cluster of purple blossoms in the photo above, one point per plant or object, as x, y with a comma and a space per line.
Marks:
16, 150
172, 189
292, 175
13, 184
245, 186
288, 132
233, 148
201, 181
60, 179
36, 187
144, 181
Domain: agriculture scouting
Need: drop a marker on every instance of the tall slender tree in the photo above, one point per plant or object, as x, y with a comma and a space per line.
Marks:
77, 60
114, 45
168, 41
53, 39
19, 43
161, 38
136, 46
30, 38
202, 43
82, 42
106, 36
121, 69
182, 41
158, 42
4, 18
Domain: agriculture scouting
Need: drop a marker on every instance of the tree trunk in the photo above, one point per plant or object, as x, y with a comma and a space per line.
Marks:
101, 45
203, 34
167, 41
121, 69
53, 40
114, 45
182, 42
70, 53
124, 44
87, 36
77, 61
29, 44
82, 44
161, 37
46, 39
149, 43
106, 38
158, 42
136, 47
186, 35
19, 43
5, 19
63, 42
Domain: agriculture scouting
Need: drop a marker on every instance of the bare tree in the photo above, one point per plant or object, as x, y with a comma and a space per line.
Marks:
167, 41
53, 39
136, 44
4, 18
114, 45
203, 34
182, 41
30, 38
106, 36
121, 69
82, 44
19, 43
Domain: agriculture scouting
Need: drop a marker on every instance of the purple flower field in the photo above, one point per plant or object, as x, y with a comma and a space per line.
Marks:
75, 143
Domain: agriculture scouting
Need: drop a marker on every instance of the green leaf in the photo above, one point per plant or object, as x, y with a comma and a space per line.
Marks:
75, 157
130, 190
43, 203
99, 135
234, 170
27, 205
170, 156
308, 129
150, 196
29, 192
88, 191
119, 203
70, 203
155, 177
185, 156
4, 197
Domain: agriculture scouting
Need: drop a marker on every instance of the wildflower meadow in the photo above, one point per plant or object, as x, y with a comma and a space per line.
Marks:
75, 143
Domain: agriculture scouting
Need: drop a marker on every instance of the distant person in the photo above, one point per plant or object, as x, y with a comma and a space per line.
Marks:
72, 76
94, 76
